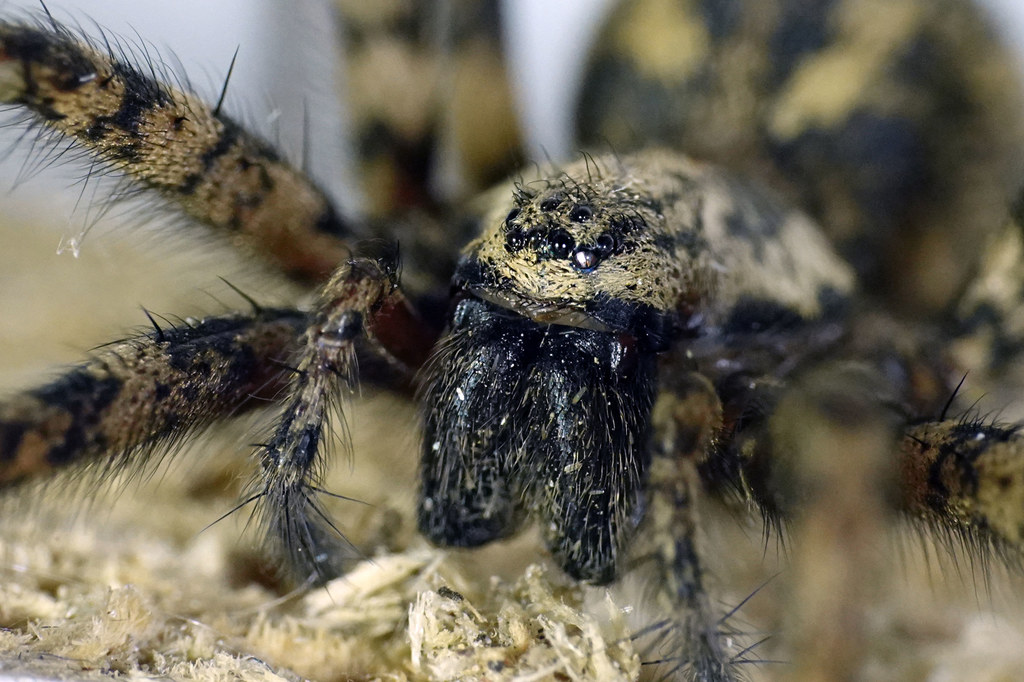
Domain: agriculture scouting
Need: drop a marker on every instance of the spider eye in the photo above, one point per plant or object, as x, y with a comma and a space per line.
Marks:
605, 244
561, 243
626, 225
515, 240
581, 214
537, 239
551, 203
585, 260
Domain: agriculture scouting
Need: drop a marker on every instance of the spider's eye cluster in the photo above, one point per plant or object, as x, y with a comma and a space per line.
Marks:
544, 235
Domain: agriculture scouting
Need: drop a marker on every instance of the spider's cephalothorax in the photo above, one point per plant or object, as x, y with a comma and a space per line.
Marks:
541, 395
622, 332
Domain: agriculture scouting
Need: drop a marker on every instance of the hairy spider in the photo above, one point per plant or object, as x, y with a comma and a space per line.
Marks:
621, 338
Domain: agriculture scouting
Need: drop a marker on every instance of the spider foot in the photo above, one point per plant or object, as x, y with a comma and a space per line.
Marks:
361, 303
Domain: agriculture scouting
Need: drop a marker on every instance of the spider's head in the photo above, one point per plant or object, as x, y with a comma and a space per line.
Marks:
599, 244
648, 245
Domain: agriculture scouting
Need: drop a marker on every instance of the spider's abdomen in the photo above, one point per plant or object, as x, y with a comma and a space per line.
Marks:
895, 123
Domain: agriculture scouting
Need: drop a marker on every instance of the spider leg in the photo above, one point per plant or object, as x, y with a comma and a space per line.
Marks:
433, 124
832, 435
966, 477
844, 464
813, 445
430, 100
140, 396
831, 453
136, 395
989, 318
687, 419
361, 300
169, 141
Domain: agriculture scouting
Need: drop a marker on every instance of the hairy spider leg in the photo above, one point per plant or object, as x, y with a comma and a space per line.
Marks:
692, 641
148, 392
430, 101
169, 141
361, 300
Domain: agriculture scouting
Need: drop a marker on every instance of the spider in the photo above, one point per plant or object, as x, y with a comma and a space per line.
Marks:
623, 332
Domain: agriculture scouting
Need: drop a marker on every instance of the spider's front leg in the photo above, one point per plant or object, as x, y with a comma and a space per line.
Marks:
140, 394
687, 420
360, 304
836, 410
162, 385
